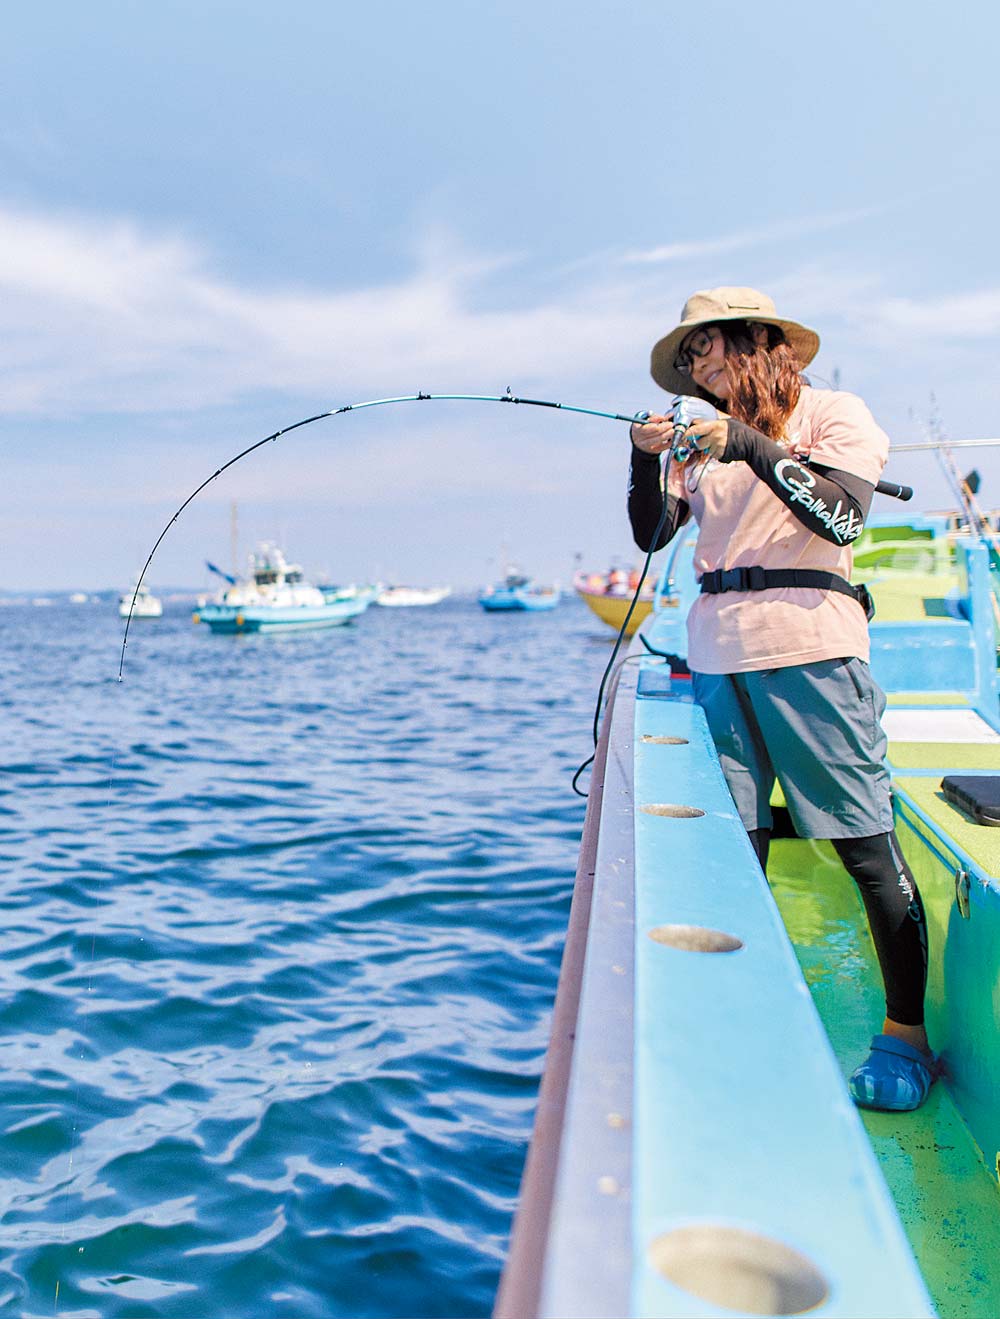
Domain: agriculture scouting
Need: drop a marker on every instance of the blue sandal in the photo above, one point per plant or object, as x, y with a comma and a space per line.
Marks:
895, 1076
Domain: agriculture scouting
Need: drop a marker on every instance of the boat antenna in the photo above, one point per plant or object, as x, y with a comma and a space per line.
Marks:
964, 491
942, 449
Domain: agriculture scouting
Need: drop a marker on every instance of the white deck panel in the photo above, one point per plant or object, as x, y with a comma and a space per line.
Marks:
937, 725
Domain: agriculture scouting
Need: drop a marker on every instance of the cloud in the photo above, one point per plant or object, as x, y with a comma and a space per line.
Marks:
109, 317
775, 233
105, 316
965, 316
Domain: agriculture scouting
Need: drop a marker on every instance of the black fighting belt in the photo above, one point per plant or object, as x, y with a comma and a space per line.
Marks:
763, 579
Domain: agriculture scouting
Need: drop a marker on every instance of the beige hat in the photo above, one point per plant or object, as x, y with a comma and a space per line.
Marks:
724, 304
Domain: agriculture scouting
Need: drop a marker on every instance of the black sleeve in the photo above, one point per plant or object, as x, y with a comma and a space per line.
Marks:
645, 503
831, 503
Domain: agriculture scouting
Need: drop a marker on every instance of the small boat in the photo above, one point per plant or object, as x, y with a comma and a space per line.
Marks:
277, 598
695, 1148
335, 594
610, 594
140, 602
517, 593
404, 597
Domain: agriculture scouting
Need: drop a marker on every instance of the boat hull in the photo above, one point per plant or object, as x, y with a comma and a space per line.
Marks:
612, 609
518, 601
258, 618
400, 597
140, 604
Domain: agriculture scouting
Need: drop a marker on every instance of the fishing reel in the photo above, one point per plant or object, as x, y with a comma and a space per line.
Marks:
684, 409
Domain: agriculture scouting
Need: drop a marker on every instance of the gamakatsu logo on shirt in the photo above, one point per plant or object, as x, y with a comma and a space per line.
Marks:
844, 523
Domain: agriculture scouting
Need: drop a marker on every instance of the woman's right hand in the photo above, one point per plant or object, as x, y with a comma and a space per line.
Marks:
654, 436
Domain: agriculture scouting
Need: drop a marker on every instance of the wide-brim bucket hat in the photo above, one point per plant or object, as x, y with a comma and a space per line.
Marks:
724, 304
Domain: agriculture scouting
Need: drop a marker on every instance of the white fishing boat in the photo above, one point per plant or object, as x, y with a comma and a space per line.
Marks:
333, 594
140, 602
276, 597
404, 597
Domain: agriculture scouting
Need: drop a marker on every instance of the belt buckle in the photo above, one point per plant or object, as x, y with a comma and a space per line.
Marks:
732, 579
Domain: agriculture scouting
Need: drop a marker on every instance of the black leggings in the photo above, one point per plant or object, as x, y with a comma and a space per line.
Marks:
895, 916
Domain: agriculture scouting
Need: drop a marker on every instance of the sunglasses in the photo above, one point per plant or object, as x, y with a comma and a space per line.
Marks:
698, 345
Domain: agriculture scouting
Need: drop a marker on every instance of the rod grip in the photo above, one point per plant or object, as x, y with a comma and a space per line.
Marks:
902, 492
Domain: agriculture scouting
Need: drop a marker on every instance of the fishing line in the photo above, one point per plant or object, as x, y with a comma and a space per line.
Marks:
617, 646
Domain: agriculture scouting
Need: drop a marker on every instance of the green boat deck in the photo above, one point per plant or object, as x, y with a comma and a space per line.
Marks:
910, 598
943, 1179
948, 1198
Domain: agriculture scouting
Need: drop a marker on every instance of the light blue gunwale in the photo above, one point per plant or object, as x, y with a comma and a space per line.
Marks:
742, 1118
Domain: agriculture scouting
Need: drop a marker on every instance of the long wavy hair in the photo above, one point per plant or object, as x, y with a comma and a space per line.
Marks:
767, 378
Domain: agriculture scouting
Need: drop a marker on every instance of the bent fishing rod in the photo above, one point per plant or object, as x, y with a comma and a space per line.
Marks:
883, 487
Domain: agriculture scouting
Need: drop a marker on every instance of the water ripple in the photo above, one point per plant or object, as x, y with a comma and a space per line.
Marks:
283, 927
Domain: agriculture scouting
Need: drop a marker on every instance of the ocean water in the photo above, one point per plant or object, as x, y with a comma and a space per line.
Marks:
282, 923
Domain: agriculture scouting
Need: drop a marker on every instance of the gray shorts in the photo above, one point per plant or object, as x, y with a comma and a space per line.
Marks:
814, 727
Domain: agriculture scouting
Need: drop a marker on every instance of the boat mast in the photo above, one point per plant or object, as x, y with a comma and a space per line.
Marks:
234, 539
976, 521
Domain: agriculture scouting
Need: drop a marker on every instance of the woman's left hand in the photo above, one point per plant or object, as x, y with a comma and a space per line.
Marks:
710, 437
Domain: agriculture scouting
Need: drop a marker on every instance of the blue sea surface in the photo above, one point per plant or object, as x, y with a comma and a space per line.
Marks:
282, 924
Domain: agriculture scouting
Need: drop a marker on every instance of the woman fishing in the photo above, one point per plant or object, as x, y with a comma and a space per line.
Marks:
779, 479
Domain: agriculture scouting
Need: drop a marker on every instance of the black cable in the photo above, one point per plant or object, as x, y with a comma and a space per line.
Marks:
663, 654
588, 761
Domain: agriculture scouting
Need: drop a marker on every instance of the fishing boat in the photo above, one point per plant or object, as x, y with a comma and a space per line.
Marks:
515, 592
408, 597
609, 594
275, 597
140, 602
695, 1149
334, 594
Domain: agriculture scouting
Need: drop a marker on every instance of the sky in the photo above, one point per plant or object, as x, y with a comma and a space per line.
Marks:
218, 218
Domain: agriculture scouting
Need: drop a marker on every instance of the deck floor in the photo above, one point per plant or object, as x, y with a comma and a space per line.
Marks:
948, 1199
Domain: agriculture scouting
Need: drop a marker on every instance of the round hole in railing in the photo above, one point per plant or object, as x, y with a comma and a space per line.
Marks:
674, 812
695, 938
740, 1270
656, 740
